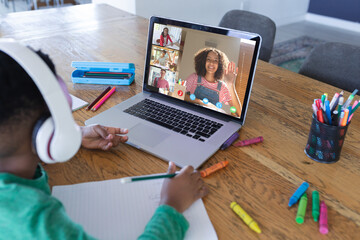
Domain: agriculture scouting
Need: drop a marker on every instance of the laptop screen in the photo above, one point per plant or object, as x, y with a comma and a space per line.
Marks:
206, 66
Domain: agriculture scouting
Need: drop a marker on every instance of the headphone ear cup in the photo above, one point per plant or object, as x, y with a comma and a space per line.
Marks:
41, 138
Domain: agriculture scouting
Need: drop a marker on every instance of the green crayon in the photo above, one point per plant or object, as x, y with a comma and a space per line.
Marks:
302, 209
315, 205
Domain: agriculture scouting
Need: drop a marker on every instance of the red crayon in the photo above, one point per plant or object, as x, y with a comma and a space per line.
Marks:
248, 141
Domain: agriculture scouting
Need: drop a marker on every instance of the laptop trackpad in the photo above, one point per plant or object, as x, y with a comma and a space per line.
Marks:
147, 135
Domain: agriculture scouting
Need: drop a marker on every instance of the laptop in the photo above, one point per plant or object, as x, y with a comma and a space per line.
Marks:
196, 90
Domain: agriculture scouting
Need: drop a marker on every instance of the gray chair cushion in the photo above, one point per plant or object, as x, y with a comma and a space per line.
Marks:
337, 64
252, 22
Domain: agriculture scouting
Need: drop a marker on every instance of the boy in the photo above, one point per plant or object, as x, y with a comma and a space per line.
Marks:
27, 210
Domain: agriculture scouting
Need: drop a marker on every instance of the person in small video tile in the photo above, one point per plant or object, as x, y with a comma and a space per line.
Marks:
163, 59
165, 38
213, 83
161, 82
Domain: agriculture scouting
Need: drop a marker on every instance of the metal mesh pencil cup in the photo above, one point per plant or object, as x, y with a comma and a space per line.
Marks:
325, 141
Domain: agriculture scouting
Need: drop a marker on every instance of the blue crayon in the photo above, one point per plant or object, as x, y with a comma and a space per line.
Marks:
298, 193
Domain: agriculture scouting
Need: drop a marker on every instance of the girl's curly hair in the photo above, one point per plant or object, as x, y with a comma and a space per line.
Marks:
200, 61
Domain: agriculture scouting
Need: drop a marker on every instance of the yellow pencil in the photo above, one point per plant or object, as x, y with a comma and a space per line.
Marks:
245, 217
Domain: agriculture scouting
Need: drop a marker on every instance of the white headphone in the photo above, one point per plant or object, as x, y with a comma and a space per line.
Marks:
56, 138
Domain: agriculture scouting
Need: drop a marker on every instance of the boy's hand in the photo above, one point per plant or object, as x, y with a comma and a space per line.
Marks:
182, 190
100, 137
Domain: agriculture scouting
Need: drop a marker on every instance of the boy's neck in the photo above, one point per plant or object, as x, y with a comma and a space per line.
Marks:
22, 164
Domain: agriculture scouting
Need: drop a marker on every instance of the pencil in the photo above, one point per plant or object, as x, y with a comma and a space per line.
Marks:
98, 98
103, 99
147, 177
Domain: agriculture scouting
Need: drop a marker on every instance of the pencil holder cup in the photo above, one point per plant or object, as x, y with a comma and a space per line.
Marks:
325, 141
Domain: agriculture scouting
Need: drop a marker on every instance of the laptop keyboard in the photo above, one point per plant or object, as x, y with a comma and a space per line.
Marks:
174, 119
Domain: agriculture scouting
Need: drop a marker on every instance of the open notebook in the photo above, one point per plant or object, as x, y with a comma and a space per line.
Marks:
113, 210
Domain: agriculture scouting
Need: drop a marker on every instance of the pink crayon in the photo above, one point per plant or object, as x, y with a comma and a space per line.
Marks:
323, 223
248, 141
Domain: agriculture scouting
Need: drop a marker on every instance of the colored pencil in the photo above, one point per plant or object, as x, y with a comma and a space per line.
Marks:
103, 99
147, 177
98, 98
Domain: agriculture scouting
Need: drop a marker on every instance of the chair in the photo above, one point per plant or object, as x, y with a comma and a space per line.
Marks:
252, 22
337, 64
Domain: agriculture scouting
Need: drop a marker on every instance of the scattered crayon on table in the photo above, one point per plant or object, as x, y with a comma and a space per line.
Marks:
315, 205
323, 222
206, 172
245, 217
301, 209
248, 141
298, 193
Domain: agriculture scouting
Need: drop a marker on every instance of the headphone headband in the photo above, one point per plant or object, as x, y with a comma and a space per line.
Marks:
65, 139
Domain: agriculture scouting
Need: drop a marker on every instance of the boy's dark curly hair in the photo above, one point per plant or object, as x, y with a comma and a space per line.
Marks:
19, 96
200, 61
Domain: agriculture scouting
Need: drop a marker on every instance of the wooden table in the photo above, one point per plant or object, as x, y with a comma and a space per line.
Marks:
260, 177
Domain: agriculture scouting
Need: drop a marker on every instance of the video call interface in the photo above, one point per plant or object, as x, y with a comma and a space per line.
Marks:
203, 68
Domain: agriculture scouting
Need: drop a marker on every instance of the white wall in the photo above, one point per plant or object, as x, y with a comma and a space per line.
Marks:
126, 5
210, 11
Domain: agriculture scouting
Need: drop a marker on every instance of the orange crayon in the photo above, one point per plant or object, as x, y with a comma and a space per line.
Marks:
214, 168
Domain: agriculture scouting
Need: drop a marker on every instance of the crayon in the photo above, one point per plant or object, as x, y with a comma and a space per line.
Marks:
301, 209
323, 222
248, 141
315, 205
245, 217
206, 172
229, 141
298, 193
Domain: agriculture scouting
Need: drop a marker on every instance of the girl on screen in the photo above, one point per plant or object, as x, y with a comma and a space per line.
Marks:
165, 38
213, 83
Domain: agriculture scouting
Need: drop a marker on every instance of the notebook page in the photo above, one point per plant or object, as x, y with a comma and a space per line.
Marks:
112, 210
77, 103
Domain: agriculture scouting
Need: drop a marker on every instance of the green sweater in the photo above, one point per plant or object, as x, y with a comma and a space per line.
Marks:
28, 211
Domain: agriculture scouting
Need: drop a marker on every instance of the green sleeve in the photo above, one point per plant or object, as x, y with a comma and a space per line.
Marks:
166, 223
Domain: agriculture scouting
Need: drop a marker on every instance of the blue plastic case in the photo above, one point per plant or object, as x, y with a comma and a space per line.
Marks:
82, 67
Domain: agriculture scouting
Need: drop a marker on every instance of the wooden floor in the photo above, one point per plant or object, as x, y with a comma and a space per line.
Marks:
324, 32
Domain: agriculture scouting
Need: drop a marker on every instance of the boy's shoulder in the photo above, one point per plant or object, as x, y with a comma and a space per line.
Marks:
28, 212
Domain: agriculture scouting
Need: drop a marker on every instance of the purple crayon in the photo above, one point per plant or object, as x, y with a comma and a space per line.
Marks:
230, 140
248, 141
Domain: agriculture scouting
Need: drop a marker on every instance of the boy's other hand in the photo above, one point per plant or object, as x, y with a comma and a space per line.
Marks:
100, 137
181, 191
